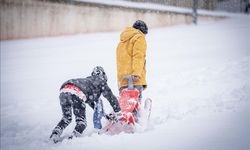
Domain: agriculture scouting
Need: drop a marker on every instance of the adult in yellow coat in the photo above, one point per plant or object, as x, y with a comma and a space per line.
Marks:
131, 56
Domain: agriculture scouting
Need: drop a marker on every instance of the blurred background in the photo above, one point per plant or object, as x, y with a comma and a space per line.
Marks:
39, 18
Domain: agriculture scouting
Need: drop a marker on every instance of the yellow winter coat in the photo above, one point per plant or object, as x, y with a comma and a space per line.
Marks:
131, 56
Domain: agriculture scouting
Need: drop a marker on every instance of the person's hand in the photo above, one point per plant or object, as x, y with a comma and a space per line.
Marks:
135, 78
110, 116
117, 116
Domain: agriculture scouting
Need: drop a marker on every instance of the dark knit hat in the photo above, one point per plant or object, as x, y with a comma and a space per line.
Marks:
141, 25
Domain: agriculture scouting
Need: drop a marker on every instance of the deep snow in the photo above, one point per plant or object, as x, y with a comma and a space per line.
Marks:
198, 78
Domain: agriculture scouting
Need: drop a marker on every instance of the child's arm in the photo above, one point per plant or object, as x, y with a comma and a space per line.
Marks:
107, 93
91, 104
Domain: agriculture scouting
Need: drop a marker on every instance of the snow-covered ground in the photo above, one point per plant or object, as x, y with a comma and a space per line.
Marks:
198, 78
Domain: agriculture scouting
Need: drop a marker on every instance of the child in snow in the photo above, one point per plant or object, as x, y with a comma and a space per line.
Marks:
75, 93
131, 57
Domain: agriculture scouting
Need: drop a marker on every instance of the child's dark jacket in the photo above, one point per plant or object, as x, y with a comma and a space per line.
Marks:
93, 87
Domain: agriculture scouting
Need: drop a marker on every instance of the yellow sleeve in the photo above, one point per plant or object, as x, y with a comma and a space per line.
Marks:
139, 56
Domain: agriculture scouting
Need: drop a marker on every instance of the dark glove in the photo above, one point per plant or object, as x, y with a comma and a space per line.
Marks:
109, 116
117, 116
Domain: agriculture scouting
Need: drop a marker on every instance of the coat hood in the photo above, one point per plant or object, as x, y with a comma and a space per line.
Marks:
128, 33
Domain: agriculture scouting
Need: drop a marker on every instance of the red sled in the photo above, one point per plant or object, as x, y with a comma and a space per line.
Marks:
128, 101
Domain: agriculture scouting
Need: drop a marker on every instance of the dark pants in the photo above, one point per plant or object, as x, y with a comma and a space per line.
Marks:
69, 101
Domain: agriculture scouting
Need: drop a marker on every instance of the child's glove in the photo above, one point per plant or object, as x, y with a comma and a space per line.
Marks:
109, 116
135, 78
117, 116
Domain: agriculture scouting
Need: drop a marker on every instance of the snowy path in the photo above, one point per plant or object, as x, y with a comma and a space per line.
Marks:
198, 79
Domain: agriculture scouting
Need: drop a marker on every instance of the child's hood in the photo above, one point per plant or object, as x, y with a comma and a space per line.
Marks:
128, 33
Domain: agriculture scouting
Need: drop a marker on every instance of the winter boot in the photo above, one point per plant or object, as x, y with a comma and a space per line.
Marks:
74, 134
55, 136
